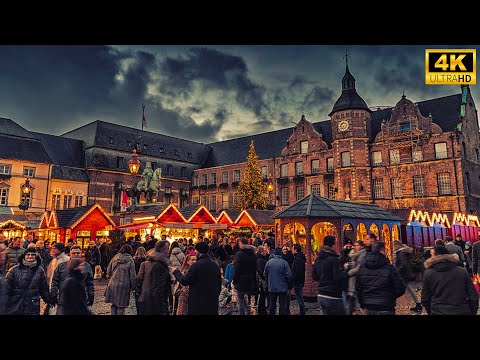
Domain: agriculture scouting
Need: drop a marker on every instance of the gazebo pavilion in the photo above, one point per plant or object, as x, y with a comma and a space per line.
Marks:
310, 219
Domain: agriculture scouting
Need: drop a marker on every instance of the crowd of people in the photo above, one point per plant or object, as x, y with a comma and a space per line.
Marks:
222, 275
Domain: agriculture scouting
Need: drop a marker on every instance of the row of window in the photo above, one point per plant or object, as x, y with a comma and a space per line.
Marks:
111, 141
315, 167
27, 198
213, 177
419, 186
416, 155
28, 171
68, 201
212, 205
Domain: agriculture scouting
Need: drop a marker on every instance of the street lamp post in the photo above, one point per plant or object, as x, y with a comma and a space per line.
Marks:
270, 206
26, 189
134, 167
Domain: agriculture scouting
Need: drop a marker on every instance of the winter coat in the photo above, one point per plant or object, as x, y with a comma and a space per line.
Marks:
45, 257
257, 242
23, 300
60, 259
155, 283
245, 270
176, 258
12, 255
460, 244
138, 262
455, 249
289, 258
221, 254
229, 272
476, 257
3, 294
92, 256
73, 294
135, 245
402, 263
261, 262
447, 288
278, 275
182, 308
228, 249
298, 269
121, 272
104, 254
60, 275
356, 259
223, 297
332, 279
204, 279
378, 283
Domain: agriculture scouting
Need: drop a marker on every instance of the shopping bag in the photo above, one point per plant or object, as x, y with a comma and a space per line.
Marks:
98, 272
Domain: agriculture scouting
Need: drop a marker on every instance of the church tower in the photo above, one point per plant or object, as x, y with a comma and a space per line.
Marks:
350, 119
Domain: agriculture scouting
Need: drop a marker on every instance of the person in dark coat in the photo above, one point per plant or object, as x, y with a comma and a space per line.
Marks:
459, 242
204, 280
271, 241
154, 280
455, 249
92, 255
378, 283
227, 247
401, 260
332, 278
278, 276
104, 255
139, 257
136, 243
347, 247
289, 258
43, 253
298, 273
261, 281
245, 273
13, 251
70, 243
258, 240
447, 288
25, 284
73, 289
61, 274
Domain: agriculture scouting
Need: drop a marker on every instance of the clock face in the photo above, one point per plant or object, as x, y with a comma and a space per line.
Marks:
343, 125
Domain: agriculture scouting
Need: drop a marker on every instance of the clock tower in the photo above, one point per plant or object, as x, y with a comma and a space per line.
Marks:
350, 118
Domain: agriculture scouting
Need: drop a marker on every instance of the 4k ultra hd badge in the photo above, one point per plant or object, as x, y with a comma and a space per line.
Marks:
450, 67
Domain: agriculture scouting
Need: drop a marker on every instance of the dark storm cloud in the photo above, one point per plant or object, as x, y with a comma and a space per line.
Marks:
212, 70
318, 98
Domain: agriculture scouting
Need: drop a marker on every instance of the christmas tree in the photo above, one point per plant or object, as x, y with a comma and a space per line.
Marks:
252, 189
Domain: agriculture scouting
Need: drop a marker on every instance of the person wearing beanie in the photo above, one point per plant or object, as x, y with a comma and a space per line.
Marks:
279, 278
401, 259
332, 278
59, 257
25, 284
204, 280
447, 288
73, 289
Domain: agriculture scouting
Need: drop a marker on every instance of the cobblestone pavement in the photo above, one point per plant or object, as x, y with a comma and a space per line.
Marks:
99, 307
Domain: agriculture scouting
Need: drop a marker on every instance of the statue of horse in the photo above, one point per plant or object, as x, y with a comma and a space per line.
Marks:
147, 174
154, 186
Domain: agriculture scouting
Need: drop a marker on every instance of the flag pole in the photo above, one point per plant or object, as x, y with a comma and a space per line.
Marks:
143, 115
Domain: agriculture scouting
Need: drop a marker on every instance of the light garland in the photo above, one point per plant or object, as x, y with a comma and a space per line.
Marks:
13, 222
466, 219
157, 219
198, 210
224, 212
425, 217
89, 211
248, 215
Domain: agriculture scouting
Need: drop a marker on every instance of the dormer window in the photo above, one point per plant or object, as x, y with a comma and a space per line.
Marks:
304, 147
406, 126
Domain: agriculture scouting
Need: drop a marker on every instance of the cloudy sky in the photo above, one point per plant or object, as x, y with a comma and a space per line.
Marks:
203, 93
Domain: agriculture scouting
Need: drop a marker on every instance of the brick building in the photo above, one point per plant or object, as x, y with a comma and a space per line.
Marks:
423, 155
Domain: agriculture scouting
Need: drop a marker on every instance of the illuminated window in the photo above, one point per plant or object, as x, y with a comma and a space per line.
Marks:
3, 197
330, 164
236, 175
441, 150
419, 185
345, 158
443, 181
299, 168
55, 201
378, 189
224, 201
331, 191
315, 166
395, 156
376, 158
195, 200
265, 172
28, 172
299, 193
316, 189
284, 196
417, 155
284, 170
304, 147
397, 188
67, 201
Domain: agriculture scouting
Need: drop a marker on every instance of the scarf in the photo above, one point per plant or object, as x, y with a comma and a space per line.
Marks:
29, 264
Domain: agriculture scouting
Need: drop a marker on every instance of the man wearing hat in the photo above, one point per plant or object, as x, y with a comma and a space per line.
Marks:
204, 280
59, 257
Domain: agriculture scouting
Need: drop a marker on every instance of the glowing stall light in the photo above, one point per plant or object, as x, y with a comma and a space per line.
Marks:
429, 220
466, 219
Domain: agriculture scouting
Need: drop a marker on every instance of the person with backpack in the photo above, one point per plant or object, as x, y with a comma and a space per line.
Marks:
402, 256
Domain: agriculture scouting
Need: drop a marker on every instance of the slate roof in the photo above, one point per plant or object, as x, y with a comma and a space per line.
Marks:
349, 99
445, 112
20, 218
188, 211
316, 206
262, 217
67, 217
63, 151
233, 214
102, 134
20, 148
69, 173
10, 127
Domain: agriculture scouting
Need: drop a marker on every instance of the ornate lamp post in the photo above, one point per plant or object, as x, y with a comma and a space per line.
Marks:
134, 163
26, 190
270, 206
